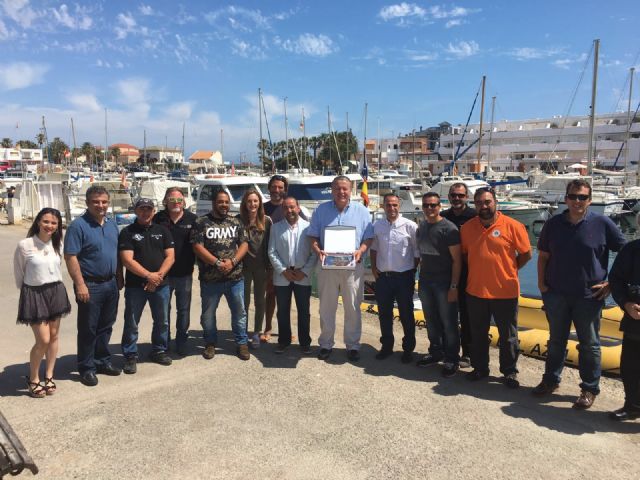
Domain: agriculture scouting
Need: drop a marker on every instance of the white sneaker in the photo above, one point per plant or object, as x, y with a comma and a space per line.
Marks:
255, 341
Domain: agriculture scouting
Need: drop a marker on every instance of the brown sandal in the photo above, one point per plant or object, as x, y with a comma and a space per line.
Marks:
49, 386
36, 389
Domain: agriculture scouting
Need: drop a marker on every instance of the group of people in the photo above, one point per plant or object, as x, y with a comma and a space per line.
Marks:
468, 261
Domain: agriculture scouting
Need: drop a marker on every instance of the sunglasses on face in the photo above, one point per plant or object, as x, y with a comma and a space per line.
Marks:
575, 196
430, 205
175, 200
457, 195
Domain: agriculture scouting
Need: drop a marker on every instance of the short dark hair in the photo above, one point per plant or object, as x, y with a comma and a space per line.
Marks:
340, 178
430, 195
217, 192
577, 184
387, 195
96, 190
291, 197
459, 185
482, 190
279, 178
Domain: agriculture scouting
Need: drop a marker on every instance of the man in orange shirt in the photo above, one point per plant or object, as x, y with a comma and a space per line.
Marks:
495, 247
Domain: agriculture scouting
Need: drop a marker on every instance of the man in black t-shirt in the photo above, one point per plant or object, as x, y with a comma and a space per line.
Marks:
459, 214
147, 252
220, 243
180, 223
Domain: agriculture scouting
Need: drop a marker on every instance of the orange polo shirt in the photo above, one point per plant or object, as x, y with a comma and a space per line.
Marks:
491, 256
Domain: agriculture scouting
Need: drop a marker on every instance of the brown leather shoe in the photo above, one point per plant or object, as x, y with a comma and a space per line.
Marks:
209, 351
243, 352
585, 400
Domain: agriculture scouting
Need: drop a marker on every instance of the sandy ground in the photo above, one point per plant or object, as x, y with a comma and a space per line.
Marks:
294, 417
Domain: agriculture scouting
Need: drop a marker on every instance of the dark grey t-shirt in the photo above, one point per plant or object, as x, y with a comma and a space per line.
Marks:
434, 240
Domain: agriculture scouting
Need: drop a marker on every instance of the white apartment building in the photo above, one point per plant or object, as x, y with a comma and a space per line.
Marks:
552, 143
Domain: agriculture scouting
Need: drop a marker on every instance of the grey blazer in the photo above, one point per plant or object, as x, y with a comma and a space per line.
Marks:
279, 252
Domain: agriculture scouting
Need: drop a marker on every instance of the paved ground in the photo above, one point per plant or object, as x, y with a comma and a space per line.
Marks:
293, 417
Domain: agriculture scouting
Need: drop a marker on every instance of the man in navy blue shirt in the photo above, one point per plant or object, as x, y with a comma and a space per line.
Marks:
91, 254
573, 254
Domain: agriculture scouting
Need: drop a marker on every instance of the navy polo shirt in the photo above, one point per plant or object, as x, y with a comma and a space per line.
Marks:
94, 245
578, 254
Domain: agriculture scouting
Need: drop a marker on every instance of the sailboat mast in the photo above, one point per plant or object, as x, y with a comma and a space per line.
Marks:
260, 120
73, 135
286, 135
106, 142
626, 155
348, 137
592, 114
182, 146
484, 80
222, 145
493, 107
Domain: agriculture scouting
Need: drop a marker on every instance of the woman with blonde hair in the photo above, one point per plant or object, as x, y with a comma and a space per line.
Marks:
256, 266
43, 297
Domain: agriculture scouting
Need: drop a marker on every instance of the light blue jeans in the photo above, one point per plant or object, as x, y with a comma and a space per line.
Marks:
211, 293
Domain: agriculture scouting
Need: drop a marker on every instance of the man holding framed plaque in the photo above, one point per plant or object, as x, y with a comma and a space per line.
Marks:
340, 234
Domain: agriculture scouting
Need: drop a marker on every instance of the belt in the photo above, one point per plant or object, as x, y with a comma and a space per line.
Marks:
98, 279
395, 274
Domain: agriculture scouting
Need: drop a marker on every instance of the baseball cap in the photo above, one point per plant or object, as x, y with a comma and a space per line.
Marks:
144, 202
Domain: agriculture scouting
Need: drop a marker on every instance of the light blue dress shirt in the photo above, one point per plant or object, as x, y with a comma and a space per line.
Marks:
354, 215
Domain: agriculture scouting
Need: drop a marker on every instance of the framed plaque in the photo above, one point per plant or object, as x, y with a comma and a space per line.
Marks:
339, 245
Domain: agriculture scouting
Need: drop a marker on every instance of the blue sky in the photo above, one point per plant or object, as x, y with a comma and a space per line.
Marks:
156, 64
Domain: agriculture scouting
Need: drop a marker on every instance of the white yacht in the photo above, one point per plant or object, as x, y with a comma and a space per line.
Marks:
235, 186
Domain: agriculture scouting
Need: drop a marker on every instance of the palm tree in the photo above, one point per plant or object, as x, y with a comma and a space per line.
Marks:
87, 149
6, 143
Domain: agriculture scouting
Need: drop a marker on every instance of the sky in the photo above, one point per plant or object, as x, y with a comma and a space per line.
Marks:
156, 65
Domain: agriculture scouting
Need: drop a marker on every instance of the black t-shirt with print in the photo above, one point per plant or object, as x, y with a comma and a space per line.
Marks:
148, 243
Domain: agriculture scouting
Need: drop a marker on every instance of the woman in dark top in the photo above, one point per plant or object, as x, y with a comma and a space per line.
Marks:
256, 266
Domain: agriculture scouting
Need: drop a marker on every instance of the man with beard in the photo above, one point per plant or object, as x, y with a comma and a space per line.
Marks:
180, 223
573, 255
91, 254
220, 243
292, 262
459, 214
496, 247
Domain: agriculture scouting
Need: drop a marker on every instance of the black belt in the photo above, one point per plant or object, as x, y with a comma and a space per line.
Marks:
394, 274
98, 279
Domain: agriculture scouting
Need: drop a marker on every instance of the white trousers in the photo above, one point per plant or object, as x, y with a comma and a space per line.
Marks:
349, 284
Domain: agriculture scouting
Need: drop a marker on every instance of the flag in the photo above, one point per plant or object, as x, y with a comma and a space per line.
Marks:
302, 124
364, 193
233, 169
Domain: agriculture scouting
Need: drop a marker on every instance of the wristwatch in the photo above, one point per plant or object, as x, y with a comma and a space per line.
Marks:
218, 262
453, 286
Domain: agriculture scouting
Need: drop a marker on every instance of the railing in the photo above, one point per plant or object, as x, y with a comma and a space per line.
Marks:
13, 456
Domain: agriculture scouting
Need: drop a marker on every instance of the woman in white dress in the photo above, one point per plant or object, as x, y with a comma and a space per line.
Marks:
43, 297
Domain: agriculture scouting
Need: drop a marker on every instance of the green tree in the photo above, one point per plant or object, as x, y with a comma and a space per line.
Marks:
114, 154
26, 144
58, 148
6, 143
88, 150
347, 144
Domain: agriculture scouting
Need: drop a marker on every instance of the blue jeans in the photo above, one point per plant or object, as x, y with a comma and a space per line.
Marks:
585, 313
442, 320
210, 293
135, 298
95, 324
396, 288
181, 286
302, 294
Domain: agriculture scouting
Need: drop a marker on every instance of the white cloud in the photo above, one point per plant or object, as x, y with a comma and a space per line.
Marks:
80, 21
421, 56
145, 10
463, 49
238, 18
401, 10
4, 31
18, 75
529, 53
20, 12
310, 44
127, 24
133, 90
247, 50
453, 23
85, 102
565, 63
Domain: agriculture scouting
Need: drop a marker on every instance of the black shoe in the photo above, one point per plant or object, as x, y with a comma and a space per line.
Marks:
130, 365
427, 360
324, 353
280, 349
475, 375
305, 349
625, 413
449, 370
382, 354
89, 379
181, 349
161, 358
353, 355
511, 381
407, 357
465, 362
544, 388
108, 369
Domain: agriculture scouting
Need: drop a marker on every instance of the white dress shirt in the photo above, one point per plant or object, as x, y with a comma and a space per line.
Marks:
395, 245
293, 243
